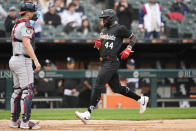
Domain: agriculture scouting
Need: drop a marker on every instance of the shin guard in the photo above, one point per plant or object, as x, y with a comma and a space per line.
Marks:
26, 102
15, 104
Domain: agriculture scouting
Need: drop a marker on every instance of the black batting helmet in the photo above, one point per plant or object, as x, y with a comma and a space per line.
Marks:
110, 14
27, 7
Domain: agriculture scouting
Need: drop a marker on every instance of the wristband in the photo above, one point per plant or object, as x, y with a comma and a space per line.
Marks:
131, 43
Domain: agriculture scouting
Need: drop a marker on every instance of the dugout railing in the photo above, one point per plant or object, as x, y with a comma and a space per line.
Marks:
153, 74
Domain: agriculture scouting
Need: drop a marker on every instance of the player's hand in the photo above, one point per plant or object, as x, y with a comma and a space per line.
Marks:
37, 65
97, 44
122, 8
142, 30
162, 29
50, 22
73, 91
126, 52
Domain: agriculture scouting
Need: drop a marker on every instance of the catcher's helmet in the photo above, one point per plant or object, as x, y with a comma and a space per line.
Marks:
110, 14
27, 7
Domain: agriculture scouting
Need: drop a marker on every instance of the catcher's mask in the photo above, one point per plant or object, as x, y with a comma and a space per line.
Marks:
29, 6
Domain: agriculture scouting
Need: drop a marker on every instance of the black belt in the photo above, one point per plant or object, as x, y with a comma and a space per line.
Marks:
22, 55
108, 58
104, 58
17, 40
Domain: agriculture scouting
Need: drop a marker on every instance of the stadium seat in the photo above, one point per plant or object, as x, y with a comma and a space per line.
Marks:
172, 28
46, 34
59, 28
60, 35
185, 32
48, 31
76, 35
165, 3
92, 35
2, 26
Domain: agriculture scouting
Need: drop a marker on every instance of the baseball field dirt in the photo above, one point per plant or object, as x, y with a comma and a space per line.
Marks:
111, 125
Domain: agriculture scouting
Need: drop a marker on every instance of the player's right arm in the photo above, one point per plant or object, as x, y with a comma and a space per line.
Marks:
29, 49
26, 33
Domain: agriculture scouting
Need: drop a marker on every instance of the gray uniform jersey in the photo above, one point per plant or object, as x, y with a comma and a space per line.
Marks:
20, 31
20, 65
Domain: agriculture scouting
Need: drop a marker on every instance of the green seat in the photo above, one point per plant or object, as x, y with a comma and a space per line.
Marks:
172, 28
60, 35
46, 35
59, 28
185, 32
92, 36
48, 29
76, 35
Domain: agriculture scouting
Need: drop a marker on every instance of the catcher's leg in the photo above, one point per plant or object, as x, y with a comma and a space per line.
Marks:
26, 101
15, 107
15, 103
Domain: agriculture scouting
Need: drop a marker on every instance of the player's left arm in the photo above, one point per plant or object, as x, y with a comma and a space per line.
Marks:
127, 34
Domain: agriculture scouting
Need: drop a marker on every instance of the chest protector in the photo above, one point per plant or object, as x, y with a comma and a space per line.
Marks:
28, 25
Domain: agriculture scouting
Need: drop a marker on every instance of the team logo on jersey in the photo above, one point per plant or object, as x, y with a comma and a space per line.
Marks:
29, 31
107, 36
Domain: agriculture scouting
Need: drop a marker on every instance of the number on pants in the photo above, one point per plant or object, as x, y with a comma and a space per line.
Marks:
109, 45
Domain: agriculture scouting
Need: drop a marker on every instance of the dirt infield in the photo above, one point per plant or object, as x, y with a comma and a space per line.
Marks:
111, 125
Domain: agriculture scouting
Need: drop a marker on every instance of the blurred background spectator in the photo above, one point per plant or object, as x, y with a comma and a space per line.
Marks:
85, 93
59, 6
44, 5
85, 27
69, 27
46, 87
51, 17
71, 15
183, 86
79, 8
69, 87
124, 13
133, 83
179, 6
3, 13
40, 21
150, 20
10, 20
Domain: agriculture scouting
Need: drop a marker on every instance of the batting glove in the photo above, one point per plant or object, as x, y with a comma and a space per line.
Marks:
126, 52
97, 44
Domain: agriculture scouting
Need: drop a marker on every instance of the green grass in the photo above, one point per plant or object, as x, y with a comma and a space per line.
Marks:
111, 114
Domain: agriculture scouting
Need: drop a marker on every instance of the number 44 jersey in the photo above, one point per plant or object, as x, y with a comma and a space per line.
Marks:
112, 39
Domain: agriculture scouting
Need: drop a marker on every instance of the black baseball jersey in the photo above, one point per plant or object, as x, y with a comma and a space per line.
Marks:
112, 39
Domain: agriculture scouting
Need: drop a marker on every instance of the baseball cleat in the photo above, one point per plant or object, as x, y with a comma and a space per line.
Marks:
84, 117
30, 125
143, 101
14, 124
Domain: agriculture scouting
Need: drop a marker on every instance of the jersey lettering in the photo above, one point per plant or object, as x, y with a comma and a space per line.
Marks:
107, 37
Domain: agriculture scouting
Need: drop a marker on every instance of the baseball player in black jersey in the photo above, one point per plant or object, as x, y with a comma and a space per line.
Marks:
111, 39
